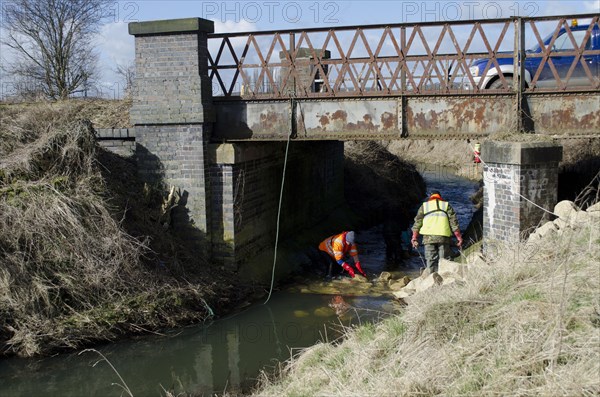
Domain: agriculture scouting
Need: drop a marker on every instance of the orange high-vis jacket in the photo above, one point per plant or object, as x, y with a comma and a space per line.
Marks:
337, 248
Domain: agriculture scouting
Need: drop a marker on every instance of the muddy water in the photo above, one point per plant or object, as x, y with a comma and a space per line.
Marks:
227, 354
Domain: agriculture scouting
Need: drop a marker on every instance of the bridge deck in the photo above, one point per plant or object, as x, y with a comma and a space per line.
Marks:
406, 80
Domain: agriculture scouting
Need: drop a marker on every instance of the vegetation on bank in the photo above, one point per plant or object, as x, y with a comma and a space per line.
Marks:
525, 322
84, 257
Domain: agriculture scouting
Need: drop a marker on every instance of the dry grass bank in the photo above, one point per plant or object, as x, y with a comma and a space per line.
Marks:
103, 113
82, 258
526, 322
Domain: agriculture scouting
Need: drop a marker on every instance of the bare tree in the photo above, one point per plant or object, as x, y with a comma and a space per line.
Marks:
52, 40
127, 74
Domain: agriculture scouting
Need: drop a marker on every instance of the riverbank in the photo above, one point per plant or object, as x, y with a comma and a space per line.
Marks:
85, 257
88, 251
525, 321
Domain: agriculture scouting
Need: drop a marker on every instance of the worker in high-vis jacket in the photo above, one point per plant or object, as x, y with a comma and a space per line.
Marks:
337, 248
436, 222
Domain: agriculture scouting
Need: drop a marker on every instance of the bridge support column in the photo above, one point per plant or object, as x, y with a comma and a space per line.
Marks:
519, 178
246, 181
172, 114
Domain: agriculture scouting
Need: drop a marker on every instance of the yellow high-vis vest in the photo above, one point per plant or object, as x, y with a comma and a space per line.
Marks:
435, 221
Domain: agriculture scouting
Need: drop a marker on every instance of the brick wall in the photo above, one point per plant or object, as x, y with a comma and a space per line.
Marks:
176, 156
245, 195
117, 140
518, 179
171, 112
171, 84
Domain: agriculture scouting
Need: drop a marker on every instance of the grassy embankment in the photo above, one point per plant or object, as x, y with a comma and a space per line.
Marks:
525, 322
84, 255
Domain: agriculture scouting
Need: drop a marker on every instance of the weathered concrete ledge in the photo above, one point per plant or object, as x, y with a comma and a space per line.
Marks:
522, 153
171, 26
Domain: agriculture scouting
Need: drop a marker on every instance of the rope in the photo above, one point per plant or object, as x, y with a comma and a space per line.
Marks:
287, 147
517, 193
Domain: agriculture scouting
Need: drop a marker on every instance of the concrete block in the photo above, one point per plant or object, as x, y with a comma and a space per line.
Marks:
404, 293
520, 153
430, 281
447, 267
565, 210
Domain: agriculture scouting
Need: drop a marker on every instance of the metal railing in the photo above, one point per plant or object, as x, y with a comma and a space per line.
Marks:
435, 58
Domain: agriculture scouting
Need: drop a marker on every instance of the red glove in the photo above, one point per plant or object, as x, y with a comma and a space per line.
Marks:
360, 270
347, 268
458, 238
413, 240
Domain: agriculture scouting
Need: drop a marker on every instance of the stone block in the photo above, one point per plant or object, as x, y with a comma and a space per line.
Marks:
413, 284
384, 277
449, 280
401, 283
547, 229
565, 210
404, 293
594, 209
447, 267
430, 281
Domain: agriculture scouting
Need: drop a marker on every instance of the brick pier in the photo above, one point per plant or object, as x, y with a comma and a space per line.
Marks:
519, 178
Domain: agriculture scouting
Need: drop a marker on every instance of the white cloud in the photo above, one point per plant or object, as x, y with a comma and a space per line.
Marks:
115, 43
232, 26
116, 47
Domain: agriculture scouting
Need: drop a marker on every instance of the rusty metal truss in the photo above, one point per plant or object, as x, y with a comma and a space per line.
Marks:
401, 60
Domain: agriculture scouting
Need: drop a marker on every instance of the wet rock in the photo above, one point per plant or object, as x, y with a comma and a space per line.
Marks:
399, 284
384, 277
430, 281
325, 290
324, 312
360, 279
380, 289
342, 281
391, 307
301, 313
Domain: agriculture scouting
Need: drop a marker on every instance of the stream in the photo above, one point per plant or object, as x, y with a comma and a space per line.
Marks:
227, 354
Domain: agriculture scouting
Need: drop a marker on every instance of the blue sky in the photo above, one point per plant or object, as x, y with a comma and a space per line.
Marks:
117, 47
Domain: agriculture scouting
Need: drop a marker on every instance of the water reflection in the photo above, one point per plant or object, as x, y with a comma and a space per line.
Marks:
227, 354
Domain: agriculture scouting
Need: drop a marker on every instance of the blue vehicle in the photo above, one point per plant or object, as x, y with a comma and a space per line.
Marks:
546, 79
